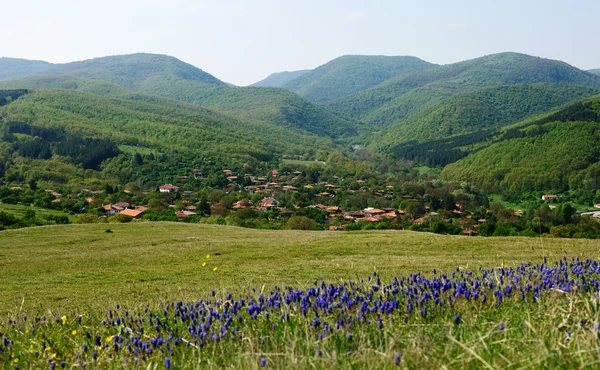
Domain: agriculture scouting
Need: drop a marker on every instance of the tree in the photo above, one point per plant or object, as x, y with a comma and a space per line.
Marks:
300, 223
137, 159
415, 209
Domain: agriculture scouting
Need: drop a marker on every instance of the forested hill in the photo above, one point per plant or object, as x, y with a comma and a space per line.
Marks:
168, 77
133, 70
279, 79
352, 73
13, 67
398, 97
159, 123
482, 109
595, 71
271, 106
556, 153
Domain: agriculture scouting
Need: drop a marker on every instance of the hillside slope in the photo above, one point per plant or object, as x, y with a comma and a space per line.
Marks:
595, 71
398, 97
168, 77
352, 73
158, 122
482, 109
280, 78
556, 153
14, 67
132, 70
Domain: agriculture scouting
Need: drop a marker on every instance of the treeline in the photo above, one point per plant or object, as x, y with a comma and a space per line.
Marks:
45, 142
440, 152
7, 96
29, 218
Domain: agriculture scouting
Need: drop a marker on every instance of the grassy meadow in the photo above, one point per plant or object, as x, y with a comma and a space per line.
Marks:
63, 287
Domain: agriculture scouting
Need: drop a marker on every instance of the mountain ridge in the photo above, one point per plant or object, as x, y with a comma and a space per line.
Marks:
348, 74
278, 79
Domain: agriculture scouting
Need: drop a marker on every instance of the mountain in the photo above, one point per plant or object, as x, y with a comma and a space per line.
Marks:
133, 70
159, 123
279, 79
168, 77
349, 74
482, 109
595, 71
400, 96
555, 153
13, 67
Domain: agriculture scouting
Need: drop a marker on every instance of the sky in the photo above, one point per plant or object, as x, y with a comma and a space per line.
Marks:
242, 42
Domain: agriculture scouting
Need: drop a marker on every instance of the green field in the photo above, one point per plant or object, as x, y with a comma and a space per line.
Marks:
19, 210
77, 267
63, 272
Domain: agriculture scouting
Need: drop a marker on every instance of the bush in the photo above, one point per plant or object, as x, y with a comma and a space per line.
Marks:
120, 218
300, 223
85, 218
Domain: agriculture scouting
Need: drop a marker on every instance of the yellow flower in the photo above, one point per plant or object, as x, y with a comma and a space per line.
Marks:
74, 332
48, 349
64, 320
215, 269
16, 360
109, 339
204, 264
53, 356
207, 256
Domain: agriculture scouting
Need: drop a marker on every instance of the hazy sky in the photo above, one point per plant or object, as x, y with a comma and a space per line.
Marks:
242, 41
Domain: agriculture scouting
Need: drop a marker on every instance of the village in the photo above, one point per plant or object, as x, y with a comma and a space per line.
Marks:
336, 204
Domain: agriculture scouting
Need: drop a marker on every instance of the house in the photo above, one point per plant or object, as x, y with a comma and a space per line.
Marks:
16, 188
240, 204
111, 209
372, 219
183, 214
597, 205
168, 188
373, 212
549, 196
53, 193
228, 172
269, 202
123, 205
390, 215
131, 212
289, 188
285, 211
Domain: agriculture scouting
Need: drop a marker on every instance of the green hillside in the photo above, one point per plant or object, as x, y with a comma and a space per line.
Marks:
556, 153
132, 70
14, 67
273, 105
168, 77
482, 109
352, 73
595, 71
157, 122
385, 103
281, 78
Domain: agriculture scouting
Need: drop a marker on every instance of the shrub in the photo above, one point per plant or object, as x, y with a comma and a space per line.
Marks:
85, 218
120, 218
300, 223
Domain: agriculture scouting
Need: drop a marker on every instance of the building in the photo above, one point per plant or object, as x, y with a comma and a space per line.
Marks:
168, 188
131, 212
549, 197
